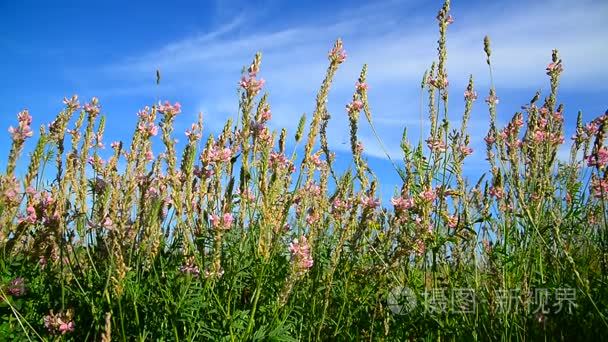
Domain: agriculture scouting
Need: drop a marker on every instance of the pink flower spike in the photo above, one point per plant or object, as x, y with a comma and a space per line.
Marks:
168, 109
428, 195
452, 221
466, 150
354, 107
470, 95
215, 220
496, 192
228, 219
16, 287
337, 54
361, 87
369, 202
301, 255
401, 203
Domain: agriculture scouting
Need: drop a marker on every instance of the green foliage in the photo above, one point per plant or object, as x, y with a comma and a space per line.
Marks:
238, 242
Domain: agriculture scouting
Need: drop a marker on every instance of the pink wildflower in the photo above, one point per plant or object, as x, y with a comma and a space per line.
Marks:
12, 189
31, 211
214, 274
168, 109
496, 192
354, 107
72, 103
599, 159
107, 223
438, 83
401, 203
361, 87
194, 133
152, 192
452, 221
359, 147
466, 150
190, 268
368, 202
492, 100
216, 221
23, 131
436, 145
300, 254
554, 68
266, 114
558, 116
312, 217
557, 138
30, 216
247, 194
228, 219
428, 195
312, 189
92, 108
96, 162
144, 114
46, 199
16, 287
66, 327
215, 154
225, 155
253, 69
222, 222
316, 160
539, 136
148, 128
420, 246
251, 85
280, 161
470, 95
209, 172
339, 206
592, 128
599, 187
60, 323
337, 53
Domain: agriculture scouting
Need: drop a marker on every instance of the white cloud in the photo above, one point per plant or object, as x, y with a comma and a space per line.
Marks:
397, 46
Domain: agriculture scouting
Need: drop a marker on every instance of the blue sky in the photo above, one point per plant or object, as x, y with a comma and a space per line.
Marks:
111, 50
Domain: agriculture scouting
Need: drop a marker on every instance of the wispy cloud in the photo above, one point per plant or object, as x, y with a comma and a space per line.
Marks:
397, 48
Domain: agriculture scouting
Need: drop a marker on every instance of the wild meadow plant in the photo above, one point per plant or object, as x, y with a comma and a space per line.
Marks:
236, 238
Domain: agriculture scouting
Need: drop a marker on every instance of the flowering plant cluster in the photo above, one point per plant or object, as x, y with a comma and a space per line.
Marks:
257, 234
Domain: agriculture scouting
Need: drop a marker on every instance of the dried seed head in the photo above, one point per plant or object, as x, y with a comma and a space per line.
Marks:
282, 140
486, 48
424, 79
554, 56
300, 129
